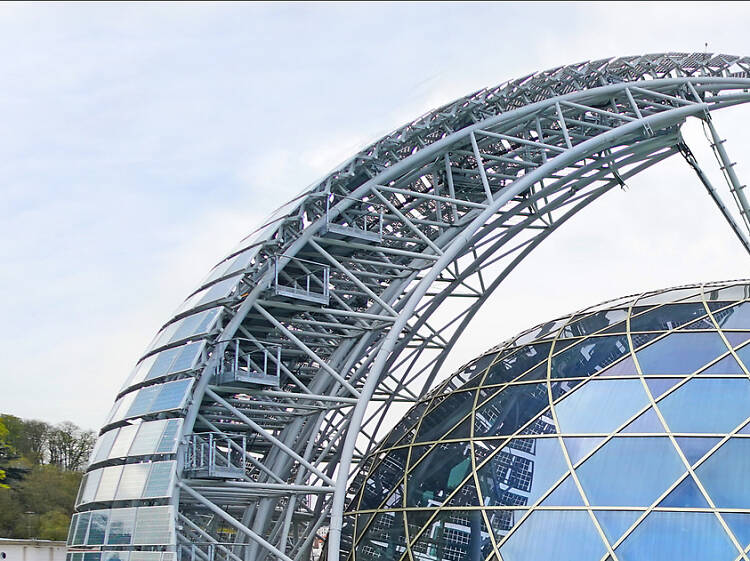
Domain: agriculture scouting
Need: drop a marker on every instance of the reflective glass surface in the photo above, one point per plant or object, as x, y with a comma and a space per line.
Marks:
615, 434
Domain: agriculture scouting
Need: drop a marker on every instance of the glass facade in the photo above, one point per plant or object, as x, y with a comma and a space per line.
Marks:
621, 433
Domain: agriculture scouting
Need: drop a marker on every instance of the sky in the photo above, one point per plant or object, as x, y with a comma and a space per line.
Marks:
139, 142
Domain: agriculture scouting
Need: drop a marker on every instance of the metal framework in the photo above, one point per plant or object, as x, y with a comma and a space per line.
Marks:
305, 344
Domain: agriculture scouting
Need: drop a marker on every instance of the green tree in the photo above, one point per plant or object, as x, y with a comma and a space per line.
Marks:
9, 472
53, 525
27, 437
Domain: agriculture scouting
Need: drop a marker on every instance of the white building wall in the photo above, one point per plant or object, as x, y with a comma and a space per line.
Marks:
31, 550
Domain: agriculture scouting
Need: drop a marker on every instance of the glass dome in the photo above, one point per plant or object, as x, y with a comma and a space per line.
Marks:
619, 433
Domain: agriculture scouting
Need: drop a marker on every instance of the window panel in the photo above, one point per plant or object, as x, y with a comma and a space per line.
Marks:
445, 415
147, 439
186, 358
680, 353
735, 317
132, 481
172, 395
704, 405
108, 484
667, 296
646, 423
159, 397
685, 495
71, 529
159, 482
521, 472
103, 446
115, 555
690, 536
695, 448
121, 522
724, 474
565, 494
79, 536
579, 447
90, 486
385, 537
510, 409
154, 526
124, 440
143, 401
517, 363
98, 527
727, 365
140, 371
384, 478
638, 470
190, 326
600, 406
438, 474
616, 522
589, 356
596, 322
739, 523
170, 438
533, 540
667, 317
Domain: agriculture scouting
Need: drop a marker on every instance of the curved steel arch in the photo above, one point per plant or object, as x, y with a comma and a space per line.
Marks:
352, 295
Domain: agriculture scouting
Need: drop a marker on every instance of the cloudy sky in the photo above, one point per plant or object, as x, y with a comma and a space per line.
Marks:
139, 142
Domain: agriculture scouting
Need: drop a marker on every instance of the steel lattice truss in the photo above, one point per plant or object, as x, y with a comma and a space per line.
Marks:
277, 374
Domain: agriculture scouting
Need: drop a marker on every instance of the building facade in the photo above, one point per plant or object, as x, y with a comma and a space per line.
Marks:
619, 433
31, 550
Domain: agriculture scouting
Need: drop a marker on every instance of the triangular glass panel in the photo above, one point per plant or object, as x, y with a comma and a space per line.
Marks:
579, 447
659, 386
640, 339
739, 523
565, 494
727, 365
681, 352
736, 338
685, 495
736, 317
648, 422
461, 431
703, 323
562, 344
717, 305
417, 452
600, 406
623, 368
743, 353
616, 522
538, 373
503, 521
695, 448
745, 429
415, 521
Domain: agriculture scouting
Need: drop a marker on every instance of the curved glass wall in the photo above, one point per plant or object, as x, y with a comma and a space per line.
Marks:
618, 434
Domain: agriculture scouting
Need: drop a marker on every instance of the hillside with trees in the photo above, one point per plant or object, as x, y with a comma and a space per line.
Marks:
41, 466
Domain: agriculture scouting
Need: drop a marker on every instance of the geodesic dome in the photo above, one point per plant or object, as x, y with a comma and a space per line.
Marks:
624, 428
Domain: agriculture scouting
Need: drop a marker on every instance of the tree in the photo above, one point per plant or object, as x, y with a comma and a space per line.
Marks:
28, 437
8, 471
69, 447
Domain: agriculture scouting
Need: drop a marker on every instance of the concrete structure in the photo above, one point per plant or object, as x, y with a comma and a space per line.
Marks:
245, 422
31, 550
